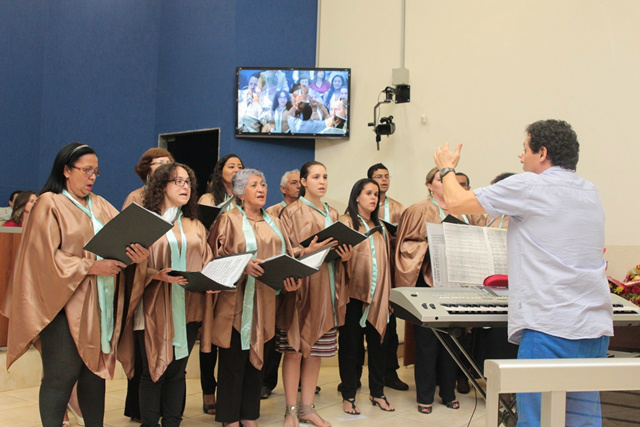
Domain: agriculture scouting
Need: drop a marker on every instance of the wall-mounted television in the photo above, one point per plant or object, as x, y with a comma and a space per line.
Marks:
292, 102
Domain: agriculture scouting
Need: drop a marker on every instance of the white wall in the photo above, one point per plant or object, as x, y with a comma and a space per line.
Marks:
481, 71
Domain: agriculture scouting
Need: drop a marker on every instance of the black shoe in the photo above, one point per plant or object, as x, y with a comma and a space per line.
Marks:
265, 393
340, 386
318, 389
463, 386
396, 384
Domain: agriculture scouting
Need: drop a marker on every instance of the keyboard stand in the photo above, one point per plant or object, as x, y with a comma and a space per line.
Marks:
454, 333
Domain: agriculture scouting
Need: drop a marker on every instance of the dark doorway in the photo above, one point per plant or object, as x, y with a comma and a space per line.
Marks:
199, 149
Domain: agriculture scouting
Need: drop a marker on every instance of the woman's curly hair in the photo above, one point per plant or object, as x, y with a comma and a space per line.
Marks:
558, 138
154, 194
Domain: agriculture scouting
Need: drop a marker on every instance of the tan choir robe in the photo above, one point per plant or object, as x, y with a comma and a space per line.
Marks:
50, 275
227, 238
411, 251
156, 299
275, 210
135, 196
411, 242
395, 211
358, 274
308, 314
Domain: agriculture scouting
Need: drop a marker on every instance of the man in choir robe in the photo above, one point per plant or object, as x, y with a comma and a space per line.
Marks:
559, 303
290, 187
389, 210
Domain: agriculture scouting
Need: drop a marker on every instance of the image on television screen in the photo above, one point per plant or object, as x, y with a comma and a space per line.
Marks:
293, 102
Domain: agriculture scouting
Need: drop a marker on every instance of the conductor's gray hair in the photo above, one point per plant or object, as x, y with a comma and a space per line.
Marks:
285, 178
240, 179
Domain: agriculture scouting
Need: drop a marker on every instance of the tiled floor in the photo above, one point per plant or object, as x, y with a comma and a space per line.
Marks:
20, 407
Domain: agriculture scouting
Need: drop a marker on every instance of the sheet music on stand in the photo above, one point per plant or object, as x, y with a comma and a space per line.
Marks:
466, 255
438, 255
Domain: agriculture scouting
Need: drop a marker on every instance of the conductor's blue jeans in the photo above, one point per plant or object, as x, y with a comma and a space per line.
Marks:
583, 409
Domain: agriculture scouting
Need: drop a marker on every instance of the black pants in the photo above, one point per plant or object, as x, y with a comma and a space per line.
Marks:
240, 383
132, 401
207, 371
350, 339
62, 367
433, 366
270, 369
165, 397
390, 348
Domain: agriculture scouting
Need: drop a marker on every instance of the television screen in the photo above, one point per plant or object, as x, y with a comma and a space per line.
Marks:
293, 102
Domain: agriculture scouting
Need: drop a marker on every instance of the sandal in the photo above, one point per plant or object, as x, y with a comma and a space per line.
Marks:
454, 404
306, 410
291, 412
374, 402
352, 401
209, 409
425, 409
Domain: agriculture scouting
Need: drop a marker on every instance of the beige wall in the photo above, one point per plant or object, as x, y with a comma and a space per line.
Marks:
480, 72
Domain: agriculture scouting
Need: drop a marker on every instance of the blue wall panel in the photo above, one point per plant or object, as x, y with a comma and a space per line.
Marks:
116, 73
21, 55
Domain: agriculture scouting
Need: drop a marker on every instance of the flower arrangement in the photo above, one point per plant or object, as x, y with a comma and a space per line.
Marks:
628, 289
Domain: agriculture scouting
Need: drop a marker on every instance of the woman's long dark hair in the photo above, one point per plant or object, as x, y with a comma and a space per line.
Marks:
153, 198
304, 172
67, 156
352, 209
216, 188
19, 203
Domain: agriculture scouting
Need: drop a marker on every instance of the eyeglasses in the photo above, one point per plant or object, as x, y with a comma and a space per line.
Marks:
180, 182
380, 176
160, 162
89, 171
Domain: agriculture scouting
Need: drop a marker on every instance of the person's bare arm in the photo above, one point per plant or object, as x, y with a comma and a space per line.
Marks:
458, 200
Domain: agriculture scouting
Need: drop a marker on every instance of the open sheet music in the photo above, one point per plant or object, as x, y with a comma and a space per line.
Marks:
464, 254
219, 275
279, 267
342, 234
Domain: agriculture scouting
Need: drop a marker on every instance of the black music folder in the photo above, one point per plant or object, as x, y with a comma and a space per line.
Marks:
391, 228
135, 224
453, 220
341, 233
208, 214
279, 267
221, 274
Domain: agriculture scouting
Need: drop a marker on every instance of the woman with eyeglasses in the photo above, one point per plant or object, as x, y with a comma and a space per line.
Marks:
62, 296
219, 190
148, 163
151, 160
244, 319
170, 316
434, 365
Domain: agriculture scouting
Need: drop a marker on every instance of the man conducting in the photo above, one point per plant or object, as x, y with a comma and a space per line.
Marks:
559, 303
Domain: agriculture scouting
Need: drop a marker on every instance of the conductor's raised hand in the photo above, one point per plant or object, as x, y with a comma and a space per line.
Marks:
316, 246
444, 158
291, 284
345, 252
106, 267
253, 268
137, 253
163, 276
